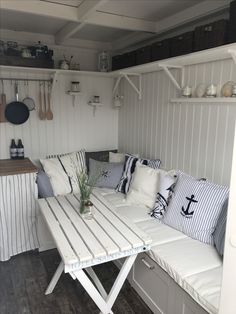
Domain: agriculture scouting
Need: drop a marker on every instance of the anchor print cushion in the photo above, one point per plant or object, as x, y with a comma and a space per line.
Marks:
195, 207
109, 173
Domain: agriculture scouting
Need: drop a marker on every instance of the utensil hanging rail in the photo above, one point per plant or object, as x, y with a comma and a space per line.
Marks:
25, 79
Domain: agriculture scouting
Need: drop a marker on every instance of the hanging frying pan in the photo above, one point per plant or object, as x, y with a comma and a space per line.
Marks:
17, 112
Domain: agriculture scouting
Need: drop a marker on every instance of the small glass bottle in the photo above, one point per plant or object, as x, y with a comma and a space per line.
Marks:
20, 150
13, 150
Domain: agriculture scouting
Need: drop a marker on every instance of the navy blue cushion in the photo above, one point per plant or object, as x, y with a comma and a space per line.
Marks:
219, 233
44, 185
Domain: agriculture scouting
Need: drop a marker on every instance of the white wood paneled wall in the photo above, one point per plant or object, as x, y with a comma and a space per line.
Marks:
196, 138
72, 127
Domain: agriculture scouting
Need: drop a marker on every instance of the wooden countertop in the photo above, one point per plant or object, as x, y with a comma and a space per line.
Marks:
10, 167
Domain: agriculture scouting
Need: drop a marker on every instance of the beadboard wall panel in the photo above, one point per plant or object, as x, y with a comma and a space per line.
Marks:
72, 128
196, 138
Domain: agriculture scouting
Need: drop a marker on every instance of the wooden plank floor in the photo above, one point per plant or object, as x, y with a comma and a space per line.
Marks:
24, 278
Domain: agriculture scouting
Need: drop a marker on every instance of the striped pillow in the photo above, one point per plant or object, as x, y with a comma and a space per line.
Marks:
130, 163
62, 171
195, 207
219, 233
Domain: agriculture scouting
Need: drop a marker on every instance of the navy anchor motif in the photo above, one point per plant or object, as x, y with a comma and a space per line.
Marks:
186, 212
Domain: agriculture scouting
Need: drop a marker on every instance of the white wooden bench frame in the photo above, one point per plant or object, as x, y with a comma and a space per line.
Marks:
80, 248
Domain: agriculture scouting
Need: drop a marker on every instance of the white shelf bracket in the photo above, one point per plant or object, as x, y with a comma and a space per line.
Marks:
138, 89
233, 54
116, 85
172, 78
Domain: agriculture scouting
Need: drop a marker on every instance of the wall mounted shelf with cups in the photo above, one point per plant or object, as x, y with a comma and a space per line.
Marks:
221, 100
75, 96
94, 105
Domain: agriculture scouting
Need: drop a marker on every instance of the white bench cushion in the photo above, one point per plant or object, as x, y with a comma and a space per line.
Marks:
194, 265
205, 288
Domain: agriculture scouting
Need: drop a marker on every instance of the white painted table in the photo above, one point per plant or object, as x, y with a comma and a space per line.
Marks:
84, 243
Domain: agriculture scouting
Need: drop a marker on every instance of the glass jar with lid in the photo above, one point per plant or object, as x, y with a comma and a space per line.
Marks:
75, 86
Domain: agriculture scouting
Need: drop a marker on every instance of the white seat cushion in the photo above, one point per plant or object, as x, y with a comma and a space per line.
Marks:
185, 257
205, 288
159, 232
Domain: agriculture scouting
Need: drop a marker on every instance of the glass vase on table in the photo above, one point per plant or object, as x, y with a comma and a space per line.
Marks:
86, 208
86, 185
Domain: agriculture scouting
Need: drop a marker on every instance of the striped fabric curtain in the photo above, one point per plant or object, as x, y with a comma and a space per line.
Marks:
18, 212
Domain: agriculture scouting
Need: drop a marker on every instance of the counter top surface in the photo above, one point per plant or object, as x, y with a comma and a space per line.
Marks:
18, 166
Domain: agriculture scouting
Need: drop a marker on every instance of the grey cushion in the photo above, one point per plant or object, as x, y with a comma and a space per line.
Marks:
44, 185
219, 233
111, 173
195, 207
98, 155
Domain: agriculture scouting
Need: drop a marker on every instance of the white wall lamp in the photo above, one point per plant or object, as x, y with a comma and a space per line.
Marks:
118, 101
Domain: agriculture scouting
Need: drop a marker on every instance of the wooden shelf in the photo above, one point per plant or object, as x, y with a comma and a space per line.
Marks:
95, 104
208, 55
204, 100
19, 69
72, 93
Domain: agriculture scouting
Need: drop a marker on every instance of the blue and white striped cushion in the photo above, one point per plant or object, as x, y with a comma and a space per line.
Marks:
129, 168
130, 163
195, 207
219, 233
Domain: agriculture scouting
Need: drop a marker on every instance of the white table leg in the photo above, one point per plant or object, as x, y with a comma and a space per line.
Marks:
105, 304
96, 281
125, 269
55, 278
92, 291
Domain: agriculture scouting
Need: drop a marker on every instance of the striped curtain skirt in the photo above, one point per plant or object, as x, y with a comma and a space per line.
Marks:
18, 214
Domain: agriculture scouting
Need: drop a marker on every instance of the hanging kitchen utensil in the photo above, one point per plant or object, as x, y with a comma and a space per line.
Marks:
49, 114
28, 101
41, 112
17, 112
2, 104
45, 101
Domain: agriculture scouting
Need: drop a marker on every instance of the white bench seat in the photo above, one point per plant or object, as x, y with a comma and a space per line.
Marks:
195, 266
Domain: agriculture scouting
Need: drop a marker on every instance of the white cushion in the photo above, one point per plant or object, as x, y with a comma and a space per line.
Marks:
144, 186
116, 157
134, 212
185, 257
62, 172
159, 232
58, 178
167, 181
205, 288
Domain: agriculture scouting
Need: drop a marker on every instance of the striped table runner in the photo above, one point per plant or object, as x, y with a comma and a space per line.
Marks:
18, 194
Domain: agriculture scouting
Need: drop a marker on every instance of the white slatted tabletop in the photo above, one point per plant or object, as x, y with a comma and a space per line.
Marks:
83, 243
